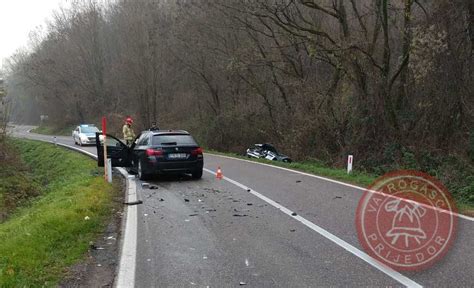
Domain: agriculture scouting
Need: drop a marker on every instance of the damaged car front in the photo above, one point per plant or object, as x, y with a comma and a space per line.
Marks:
266, 151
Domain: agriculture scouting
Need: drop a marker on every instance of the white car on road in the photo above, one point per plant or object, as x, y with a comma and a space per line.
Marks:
84, 134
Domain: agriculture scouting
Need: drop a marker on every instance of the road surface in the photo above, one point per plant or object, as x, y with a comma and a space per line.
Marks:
215, 233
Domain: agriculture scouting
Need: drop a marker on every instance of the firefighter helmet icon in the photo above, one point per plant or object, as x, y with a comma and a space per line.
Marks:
406, 221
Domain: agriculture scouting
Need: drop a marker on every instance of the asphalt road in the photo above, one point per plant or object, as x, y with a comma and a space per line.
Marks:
213, 233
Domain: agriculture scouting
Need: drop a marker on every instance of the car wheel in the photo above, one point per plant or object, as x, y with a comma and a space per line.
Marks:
140, 172
197, 174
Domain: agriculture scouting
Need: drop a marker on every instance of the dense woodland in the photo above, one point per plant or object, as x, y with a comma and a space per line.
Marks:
390, 81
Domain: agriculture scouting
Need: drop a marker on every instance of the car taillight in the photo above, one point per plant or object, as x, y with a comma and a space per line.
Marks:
153, 152
197, 151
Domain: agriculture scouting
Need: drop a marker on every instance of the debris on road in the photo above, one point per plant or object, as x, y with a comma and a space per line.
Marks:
293, 214
298, 181
153, 187
249, 204
240, 215
212, 190
193, 214
186, 200
242, 283
292, 230
92, 246
145, 184
161, 200
133, 203
337, 197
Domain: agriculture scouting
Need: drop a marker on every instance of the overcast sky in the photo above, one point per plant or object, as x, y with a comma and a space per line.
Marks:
18, 18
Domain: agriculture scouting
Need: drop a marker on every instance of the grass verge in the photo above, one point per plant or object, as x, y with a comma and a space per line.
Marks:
360, 178
40, 239
49, 130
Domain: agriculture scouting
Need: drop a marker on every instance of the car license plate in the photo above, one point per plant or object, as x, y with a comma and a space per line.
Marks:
177, 155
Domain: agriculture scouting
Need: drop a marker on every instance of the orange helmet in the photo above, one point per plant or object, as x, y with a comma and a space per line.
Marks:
129, 120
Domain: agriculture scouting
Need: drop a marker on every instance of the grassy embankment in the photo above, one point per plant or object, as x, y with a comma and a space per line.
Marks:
57, 190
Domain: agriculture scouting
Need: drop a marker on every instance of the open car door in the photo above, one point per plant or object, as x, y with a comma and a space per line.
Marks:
119, 152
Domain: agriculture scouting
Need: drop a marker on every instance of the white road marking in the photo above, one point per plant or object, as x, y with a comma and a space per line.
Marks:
128, 255
353, 250
330, 180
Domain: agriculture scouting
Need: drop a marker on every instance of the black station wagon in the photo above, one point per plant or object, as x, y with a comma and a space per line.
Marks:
155, 152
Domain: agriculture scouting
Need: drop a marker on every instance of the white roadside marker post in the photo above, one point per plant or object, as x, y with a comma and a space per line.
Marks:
350, 160
55, 140
109, 170
105, 158
106, 162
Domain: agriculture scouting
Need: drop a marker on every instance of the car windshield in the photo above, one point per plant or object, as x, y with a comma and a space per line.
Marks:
89, 129
173, 139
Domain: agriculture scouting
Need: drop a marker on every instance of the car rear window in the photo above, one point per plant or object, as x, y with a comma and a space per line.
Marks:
171, 139
89, 129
